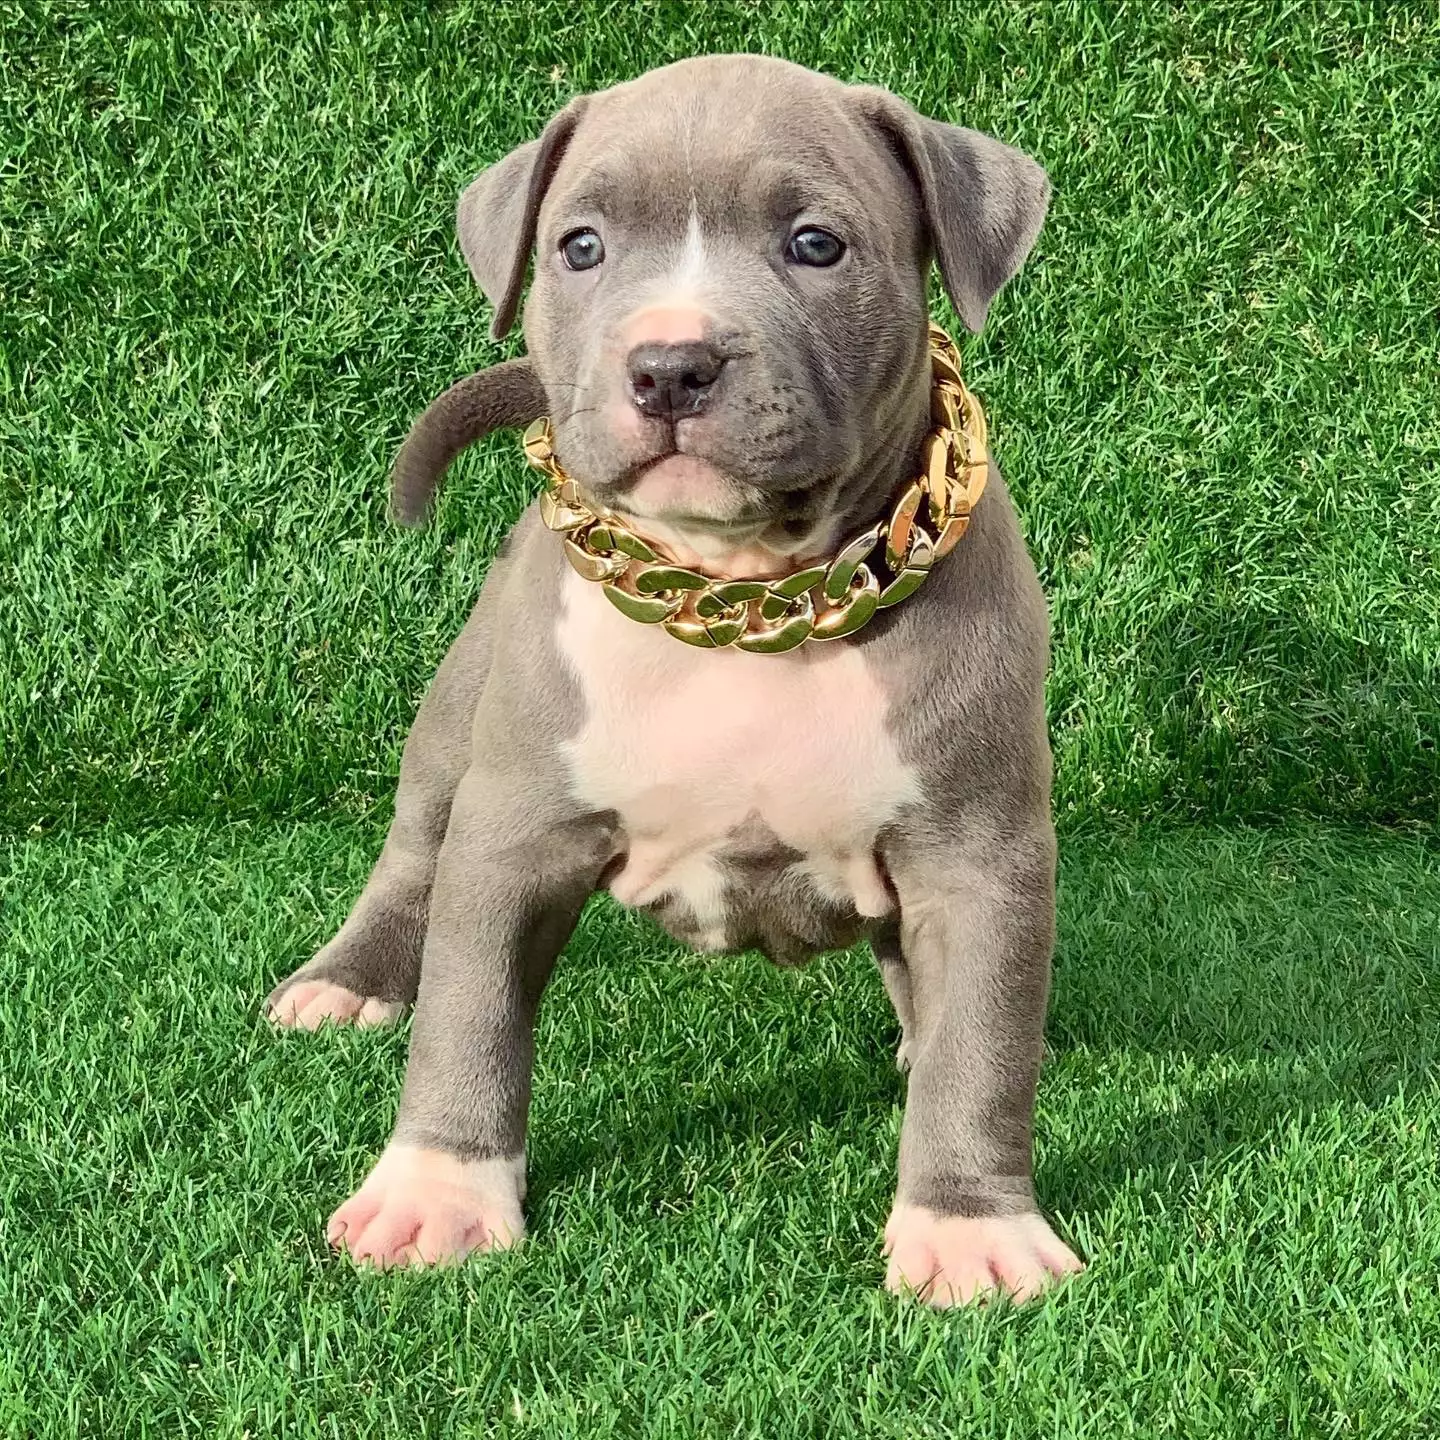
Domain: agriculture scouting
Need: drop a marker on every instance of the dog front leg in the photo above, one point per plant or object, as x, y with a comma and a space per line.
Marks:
369, 971
509, 886
976, 932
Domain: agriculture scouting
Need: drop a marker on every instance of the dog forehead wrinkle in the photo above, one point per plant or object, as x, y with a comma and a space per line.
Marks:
671, 135
627, 190
648, 180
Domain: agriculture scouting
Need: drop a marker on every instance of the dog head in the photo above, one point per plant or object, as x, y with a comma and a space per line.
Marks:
728, 307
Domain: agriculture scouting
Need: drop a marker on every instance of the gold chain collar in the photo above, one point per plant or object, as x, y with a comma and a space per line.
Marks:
767, 617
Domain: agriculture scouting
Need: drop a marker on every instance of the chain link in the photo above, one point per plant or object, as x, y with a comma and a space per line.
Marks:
875, 569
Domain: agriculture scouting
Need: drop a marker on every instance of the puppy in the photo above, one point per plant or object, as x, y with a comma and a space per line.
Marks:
728, 327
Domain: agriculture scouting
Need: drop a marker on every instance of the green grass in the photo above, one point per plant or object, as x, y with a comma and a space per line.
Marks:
228, 281
1238, 1126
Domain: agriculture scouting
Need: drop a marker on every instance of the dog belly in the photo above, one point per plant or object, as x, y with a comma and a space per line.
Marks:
750, 788
714, 904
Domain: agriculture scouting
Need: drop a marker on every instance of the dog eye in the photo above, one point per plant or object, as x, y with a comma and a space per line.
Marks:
582, 249
815, 247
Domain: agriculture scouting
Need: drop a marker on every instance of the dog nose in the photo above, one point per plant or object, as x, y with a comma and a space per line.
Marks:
672, 381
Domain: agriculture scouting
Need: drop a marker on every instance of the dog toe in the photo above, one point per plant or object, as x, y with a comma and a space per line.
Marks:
948, 1260
308, 1004
424, 1207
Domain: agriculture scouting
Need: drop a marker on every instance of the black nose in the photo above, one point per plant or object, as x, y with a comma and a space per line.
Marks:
672, 381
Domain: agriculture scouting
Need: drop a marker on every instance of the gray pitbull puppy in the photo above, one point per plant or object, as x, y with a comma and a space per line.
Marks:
728, 324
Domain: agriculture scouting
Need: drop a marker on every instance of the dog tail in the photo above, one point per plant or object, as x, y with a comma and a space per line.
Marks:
504, 395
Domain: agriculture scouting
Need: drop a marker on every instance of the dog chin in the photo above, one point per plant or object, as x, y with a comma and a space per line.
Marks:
686, 488
705, 517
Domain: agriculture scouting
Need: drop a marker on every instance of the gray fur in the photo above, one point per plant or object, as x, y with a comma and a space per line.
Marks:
771, 905
823, 405
822, 397
985, 201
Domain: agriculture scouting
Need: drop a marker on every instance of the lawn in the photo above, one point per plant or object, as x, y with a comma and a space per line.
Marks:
1238, 1126
227, 282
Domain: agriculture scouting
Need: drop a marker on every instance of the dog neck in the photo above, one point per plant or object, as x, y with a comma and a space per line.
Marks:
764, 598
723, 554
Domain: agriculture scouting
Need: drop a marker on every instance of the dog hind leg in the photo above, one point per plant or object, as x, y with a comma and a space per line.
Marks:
369, 972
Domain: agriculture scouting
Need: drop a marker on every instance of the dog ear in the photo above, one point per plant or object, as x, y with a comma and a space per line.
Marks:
497, 212
984, 202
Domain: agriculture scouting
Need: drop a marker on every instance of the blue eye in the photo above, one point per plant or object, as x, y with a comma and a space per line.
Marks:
582, 249
815, 247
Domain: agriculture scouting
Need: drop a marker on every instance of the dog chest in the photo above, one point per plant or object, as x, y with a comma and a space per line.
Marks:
733, 774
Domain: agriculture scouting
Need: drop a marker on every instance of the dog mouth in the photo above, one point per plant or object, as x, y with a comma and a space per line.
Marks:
679, 486
634, 472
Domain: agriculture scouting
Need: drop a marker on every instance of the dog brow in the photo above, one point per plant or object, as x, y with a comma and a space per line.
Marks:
789, 193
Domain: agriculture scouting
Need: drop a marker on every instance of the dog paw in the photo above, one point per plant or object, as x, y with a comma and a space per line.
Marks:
948, 1260
424, 1207
307, 1004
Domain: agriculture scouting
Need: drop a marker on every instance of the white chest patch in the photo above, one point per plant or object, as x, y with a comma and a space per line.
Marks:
688, 745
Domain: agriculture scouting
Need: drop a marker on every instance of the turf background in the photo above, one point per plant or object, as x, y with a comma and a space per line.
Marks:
227, 282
